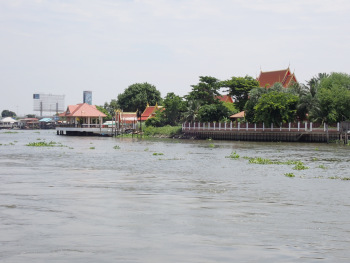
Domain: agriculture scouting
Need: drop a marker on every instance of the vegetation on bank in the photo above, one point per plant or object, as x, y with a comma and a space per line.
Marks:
324, 98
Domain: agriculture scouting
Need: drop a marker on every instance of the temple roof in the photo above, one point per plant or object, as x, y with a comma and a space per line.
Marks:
268, 78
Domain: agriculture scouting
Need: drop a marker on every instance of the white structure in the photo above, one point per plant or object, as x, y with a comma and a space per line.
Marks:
8, 123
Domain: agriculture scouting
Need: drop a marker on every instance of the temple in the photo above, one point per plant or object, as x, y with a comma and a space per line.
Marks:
285, 77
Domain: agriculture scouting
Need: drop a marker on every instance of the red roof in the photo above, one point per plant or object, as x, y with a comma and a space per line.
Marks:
225, 98
149, 112
82, 110
267, 79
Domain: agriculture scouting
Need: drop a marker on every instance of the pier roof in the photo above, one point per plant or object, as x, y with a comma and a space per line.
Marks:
82, 110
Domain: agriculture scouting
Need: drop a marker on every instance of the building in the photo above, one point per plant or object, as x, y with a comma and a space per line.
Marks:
8, 123
150, 111
83, 115
285, 77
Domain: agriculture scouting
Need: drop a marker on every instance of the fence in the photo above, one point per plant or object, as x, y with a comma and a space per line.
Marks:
261, 127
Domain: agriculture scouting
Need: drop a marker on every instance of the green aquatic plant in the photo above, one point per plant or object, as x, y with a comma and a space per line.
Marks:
158, 153
146, 149
322, 166
259, 160
211, 145
300, 166
289, 175
9, 132
117, 147
41, 144
346, 178
92, 148
233, 155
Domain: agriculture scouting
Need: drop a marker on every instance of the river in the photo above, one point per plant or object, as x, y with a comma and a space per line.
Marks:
97, 199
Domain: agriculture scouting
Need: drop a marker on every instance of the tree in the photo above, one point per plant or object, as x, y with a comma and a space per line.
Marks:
254, 96
213, 112
206, 91
7, 113
276, 107
103, 110
174, 106
239, 88
332, 93
191, 112
111, 107
137, 95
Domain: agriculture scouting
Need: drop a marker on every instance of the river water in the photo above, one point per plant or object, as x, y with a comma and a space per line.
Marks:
100, 199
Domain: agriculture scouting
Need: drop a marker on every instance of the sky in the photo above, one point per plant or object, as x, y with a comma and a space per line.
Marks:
63, 47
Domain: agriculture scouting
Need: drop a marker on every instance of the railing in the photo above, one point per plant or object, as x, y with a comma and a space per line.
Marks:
261, 127
74, 125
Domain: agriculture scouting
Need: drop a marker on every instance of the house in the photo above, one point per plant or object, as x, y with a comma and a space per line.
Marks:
285, 77
150, 111
29, 123
83, 115
8, 123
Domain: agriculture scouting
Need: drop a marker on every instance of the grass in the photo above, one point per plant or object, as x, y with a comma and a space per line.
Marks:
167, 131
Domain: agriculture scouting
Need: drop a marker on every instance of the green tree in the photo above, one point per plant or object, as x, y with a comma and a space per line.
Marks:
239, 88
103, 110
206, 91
8, 113
191, 112
111, 107
331, 98
137, 95
249, 108
213, 112
276, 107
174, 106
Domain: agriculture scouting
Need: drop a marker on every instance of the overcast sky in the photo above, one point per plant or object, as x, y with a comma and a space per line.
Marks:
64, 47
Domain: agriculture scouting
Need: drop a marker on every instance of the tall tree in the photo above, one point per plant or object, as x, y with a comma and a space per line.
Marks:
111, 107
137, 95
239, 88
174, 106
206, 91
8, 113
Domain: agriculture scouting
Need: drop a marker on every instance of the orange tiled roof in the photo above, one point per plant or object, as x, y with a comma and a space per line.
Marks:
149, 112
268, 78
225, 98
82, 110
